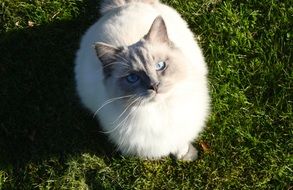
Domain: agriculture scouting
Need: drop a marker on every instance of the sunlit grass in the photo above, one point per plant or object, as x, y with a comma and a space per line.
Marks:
48, 141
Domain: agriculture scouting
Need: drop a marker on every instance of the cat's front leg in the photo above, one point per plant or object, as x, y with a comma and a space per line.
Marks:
187, 153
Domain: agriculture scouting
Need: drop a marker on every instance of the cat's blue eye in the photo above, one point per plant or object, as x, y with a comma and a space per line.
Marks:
132, 78
160, 65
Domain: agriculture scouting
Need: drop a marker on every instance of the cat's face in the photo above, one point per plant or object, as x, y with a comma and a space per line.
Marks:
147, 69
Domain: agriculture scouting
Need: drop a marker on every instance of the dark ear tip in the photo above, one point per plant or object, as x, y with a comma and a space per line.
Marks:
103, 49
158, 31
98, 45
159, 18
95, 46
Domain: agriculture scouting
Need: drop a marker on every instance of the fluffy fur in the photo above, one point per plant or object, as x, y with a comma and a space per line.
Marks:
151, 129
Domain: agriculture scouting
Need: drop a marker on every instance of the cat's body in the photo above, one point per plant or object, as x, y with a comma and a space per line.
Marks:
157, 120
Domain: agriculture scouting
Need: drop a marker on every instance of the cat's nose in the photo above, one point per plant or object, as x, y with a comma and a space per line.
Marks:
154, 86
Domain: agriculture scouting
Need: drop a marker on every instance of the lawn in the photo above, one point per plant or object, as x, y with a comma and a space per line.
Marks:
48, 141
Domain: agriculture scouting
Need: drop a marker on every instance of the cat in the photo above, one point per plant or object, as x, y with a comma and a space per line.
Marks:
140, 71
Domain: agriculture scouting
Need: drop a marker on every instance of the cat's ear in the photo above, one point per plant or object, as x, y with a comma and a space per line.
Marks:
158, 32
106, 54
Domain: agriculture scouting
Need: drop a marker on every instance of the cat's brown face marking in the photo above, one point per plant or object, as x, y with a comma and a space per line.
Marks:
147, 68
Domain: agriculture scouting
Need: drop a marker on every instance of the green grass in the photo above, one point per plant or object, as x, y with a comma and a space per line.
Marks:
48, 141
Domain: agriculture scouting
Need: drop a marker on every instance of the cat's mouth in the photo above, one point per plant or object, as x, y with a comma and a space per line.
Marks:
151, 95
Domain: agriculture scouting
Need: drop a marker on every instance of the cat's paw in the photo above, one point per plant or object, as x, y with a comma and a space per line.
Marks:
190, 155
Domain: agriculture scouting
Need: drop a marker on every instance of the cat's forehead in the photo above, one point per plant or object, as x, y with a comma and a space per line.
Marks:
137, 57
142, 54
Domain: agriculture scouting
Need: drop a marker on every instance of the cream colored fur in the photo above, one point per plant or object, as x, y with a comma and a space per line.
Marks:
165, 126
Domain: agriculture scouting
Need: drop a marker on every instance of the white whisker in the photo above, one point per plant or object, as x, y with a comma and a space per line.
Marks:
110, 101
125, 119
132, 111
124, 111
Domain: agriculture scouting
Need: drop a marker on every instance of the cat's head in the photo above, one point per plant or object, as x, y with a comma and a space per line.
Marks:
149, 68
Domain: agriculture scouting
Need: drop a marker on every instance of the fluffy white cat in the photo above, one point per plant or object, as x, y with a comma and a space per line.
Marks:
141, 72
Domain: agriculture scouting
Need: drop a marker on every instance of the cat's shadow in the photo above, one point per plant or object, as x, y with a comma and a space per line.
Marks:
40, 113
